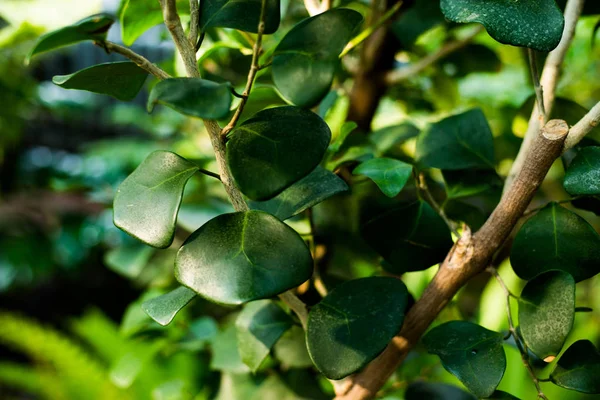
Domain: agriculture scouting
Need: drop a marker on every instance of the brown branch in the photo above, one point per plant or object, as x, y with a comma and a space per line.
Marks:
469, 256
139, 60
399, 75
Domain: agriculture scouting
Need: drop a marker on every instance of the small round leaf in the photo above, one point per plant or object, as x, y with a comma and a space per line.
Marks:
243, 15
243, 256
354, 323
583, 175
163, 308
389, 174
578, 368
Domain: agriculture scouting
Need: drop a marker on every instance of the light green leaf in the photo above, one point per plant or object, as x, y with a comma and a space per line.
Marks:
307, 192
163, 308
537, 24
259, 326
244, 256
122, 80
291, 350
147, 201
277, 147
306, 59
385, 139
583, 175
556, 239
471, 353
137, 16
457, 142
410, 238
243, 15
389, 174
354, 323
90, 28
128, 261
546, 312
225, 355
192, 96
578, 368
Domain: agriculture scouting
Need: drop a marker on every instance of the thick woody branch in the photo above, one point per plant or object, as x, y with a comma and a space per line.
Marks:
469, 256
140, 61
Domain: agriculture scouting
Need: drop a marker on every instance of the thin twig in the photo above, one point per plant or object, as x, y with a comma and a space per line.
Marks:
511, 328
194, 21
139, 60
361, 37
422, 185
535, 78
251, 74
184, 46
398, 75
317, 281
583, 127
209, 173
296, 305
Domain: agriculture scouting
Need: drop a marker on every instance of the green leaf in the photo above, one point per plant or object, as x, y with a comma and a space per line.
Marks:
537, 24
466, 183
243, 256
122, 80
259, 326
291, 350
435, 391
307, 192
128, 261
147, 201
225, 355
163, 308
90, 28
306, 59
354, 323
137, 16
578, 368
457, 142
192, 96
277, 147
556, 239
239, 14
583, 175
547, 312
471, 353
418, 19
389, 174
411, 238
385, 139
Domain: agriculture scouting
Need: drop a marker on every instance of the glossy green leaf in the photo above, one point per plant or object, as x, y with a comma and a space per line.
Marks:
411, 238
389, 174
128, 261
435, 391
471, 353
163, 308
458, 142
243, 256
259, 326
122, 80
354, 323
307, 192
90, 28
578, 368
137, 16
147, 201
547, 312
537, 24
583, 175
192, 96
239, 14
291, 349
277, 147
556, 239
306, 59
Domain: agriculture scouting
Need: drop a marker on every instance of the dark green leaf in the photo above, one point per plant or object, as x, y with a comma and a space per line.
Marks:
354, 323
589, 203
411, 238
422, 16
546, 312
244, 256
389, 174
192, 96
583, 175
583, 309
537, 24
128, 261
435, 391
239, 14
137, 16
578, 368
122, 80
306, 59
163, 308
471, 353
275, 148
472, 58
90, 28
259, 325
466, 183
146, 203
556, 239
291, 350
307, 192
457, 142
